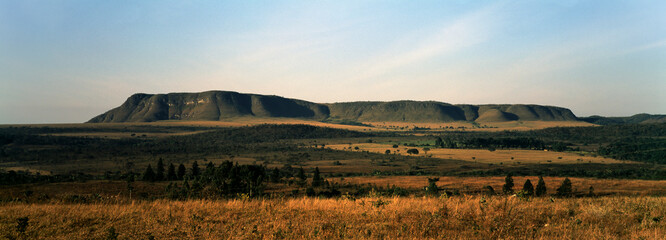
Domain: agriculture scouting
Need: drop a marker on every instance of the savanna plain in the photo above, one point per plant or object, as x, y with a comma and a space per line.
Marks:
301, 179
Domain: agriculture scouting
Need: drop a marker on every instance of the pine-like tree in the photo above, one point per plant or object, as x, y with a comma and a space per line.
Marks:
301, 176
149, 174
528, 188
317, 180
432, 188
195, 169
565, 190
275, 175
159, 172
171, 173
181, 172
508, 184
210, 168
540, 188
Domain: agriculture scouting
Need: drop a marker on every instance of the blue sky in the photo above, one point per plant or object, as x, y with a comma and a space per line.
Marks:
67, 61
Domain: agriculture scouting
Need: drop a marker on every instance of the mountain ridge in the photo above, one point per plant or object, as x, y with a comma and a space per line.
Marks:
221, 105
641, 118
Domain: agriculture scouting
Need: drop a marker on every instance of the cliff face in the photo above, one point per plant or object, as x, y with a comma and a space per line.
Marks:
209, 106
220, 105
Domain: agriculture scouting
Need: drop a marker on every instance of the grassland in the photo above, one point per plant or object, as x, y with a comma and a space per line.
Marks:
365, 126
512, 157
96, 198
465, 217
96, 190
474, 126
475, 185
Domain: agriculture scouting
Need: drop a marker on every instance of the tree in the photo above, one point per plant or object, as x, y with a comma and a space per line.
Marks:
130, 187
210, 168
387, 151
195, 169
489, 190
149, 174
412, 151
171, 173
275, 176
541, 187
432, 188
181, 171
565, 190
287, 171
301, 176
528, 188
317, 180
310, 192
439, 142
159, 172
508, 185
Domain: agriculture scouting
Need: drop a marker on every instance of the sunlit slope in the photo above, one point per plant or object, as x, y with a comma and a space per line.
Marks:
209, 106
224, 105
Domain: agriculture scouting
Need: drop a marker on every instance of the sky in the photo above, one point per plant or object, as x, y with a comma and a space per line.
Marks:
68, 61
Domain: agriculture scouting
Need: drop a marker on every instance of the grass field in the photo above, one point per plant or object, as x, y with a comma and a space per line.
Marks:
465, 217
471, 126
509, 157
131, 134
371, 126
101, 190
476, 184
356, 203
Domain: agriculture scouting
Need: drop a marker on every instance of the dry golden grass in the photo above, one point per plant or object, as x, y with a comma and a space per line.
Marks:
252, 121
483, 156
118, 135
465, 217
476, 184
102, 190
373, 126
489, 126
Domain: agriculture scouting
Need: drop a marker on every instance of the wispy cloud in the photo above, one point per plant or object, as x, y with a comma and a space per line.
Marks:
648, 46
467, 31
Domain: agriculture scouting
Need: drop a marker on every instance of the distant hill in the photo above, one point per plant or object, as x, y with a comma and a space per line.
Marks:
221, 105
638, 118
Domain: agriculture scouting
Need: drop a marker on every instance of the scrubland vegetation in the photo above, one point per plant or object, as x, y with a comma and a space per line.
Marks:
174, 181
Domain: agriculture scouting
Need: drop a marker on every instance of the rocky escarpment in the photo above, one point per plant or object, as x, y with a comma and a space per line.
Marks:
221, 105
209, 106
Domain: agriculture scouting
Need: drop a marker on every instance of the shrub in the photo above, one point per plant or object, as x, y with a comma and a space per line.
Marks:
432, 189
22, 224
489, 190
412, 151
508, 184
310, 192
111, 234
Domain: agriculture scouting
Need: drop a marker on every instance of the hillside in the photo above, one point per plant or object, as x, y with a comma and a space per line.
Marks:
638, 118
221, 105
209, 106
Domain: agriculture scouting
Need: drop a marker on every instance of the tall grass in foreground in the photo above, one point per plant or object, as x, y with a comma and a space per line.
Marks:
464, 217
